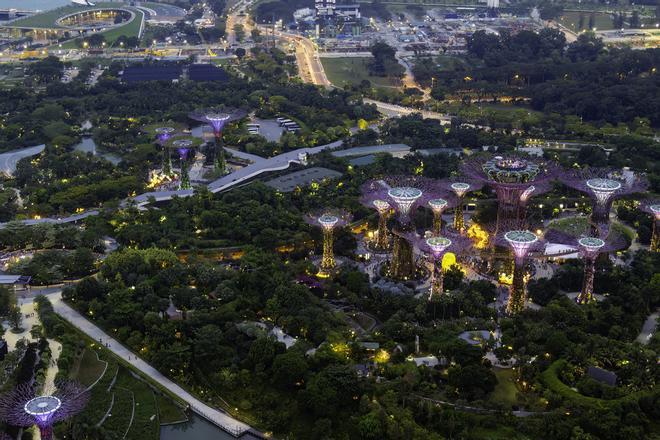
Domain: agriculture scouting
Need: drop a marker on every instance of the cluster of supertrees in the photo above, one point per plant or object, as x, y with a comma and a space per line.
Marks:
217, 119
24, 407
653, 207
514, 180
170, 137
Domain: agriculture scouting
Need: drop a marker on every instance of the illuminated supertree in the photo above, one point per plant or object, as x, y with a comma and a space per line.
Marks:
183, 146
653, 208
328, 220
460, 189
23, 407
512, 178
437, 247
522, 242
589, 248
382, 241
217, 119
163, 133
438, 206
604, 186
404, 193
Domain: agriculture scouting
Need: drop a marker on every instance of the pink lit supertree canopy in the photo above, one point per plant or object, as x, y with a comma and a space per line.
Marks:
436, 247
589, 247
514, 179
217, 118
381, 242
404, 194
603, 186
522, 242
653, 207
328, 220
23, 407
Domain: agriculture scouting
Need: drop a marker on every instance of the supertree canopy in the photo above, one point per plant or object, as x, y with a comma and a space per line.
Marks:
511, 177
382, 241
437, 247
604, 186
653, 208
217, 119
183, 145
328, 220
589, 248
404, 194
521, 242
23, 407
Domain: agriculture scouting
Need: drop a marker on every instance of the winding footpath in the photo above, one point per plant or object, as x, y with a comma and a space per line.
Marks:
649, 327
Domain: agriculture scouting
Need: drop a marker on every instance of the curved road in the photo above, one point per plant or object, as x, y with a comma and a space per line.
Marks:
9, 160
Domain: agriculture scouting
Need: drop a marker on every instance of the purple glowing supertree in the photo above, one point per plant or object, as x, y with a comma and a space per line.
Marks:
23, 407
653, 207
437, 247
512, 178
604, 186
183, 147
590, 248
217, 119
438, 206
404, 194
164, 133
328, 220
521, 242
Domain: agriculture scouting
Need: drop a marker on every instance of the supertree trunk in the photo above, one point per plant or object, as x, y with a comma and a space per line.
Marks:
437, 223
382, 239
185, 177
46, 432
586, 295
438, 279
220, 162
655, 239
403, 262
167, 161
328, 259
459, 220
600, 214
518, 295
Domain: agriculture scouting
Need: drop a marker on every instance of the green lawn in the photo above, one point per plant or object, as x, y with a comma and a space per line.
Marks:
89, 368
574, 226
570, 19
145, 421
342, 71
505, 390
168, 412
130, 29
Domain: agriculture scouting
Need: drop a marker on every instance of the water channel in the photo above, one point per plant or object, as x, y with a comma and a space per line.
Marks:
197, 428
87, 145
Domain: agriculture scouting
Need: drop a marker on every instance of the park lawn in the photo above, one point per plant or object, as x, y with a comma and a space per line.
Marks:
574, 226
119, 420
602, 21
505, 391
341, 71
168, 411
90, 368
130, 29
145, 421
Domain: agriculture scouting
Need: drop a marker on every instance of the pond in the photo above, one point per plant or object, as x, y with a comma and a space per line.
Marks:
87, 145
197, 428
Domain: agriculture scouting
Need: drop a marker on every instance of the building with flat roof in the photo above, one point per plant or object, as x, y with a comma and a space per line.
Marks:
396, 150
299, 179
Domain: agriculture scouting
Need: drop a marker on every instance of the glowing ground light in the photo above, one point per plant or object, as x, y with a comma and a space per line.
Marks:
520, 241
591, 244
438, 244
43, 407
603, 188
460, 188
404, 197
328, 221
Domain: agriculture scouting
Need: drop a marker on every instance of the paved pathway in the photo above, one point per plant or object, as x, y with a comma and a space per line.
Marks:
648, 329
9, 160
222, 419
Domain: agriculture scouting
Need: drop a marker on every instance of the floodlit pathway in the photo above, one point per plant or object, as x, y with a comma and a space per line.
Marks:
222, 419
648, 329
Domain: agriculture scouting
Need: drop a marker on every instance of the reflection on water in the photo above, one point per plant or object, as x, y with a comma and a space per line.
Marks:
197, 428
87, 145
